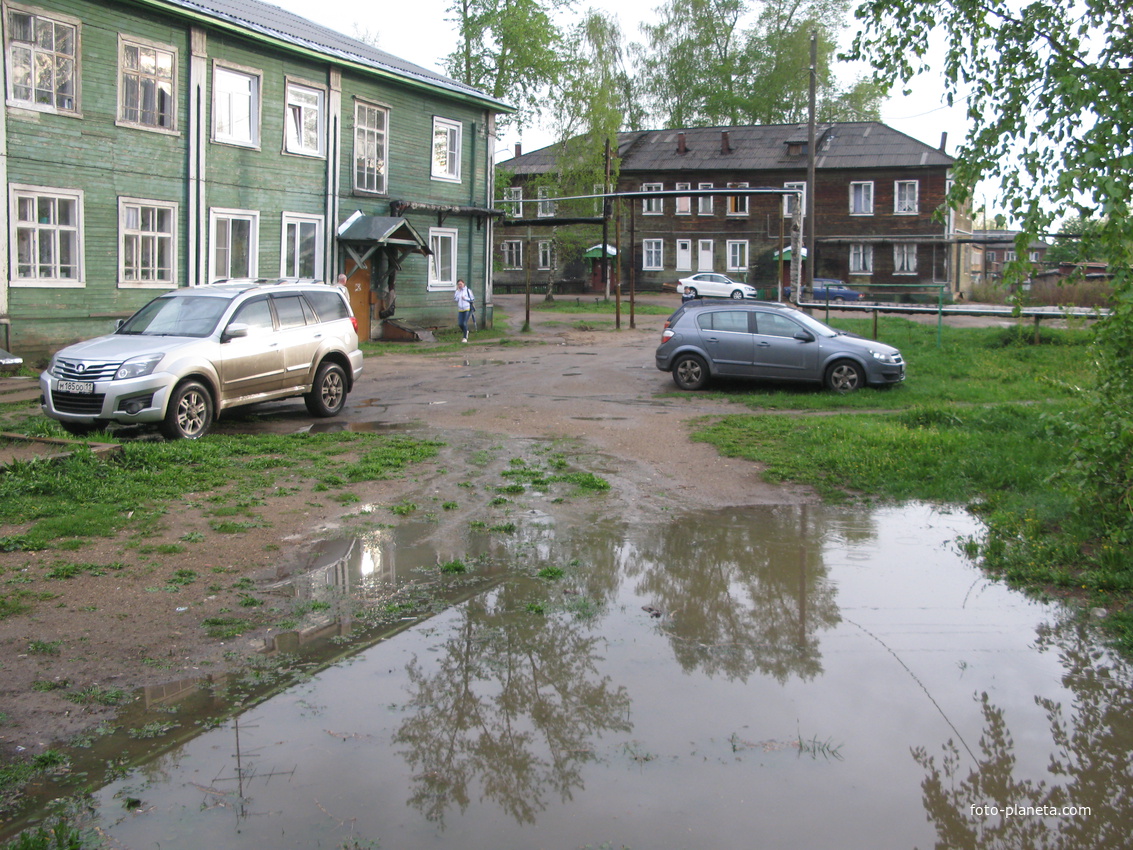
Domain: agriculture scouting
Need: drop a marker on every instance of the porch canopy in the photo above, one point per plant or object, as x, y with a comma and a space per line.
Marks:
374, 230
787, 254
594, 252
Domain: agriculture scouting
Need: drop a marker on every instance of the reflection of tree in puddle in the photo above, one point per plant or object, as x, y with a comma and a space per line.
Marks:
513, 704
740, 595
1089, 766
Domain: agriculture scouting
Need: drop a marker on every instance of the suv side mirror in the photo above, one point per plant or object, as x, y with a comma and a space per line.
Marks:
234, 331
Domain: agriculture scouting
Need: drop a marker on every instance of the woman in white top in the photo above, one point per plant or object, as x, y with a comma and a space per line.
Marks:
463, 298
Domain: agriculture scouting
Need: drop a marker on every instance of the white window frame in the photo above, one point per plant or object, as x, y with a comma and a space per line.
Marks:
737, 255
1009, 256
290, 244
600, 203
684, 202
437, 236
236, 106
513, 201
512, 251
446, 150
789, 201
906, 205
705, 204
546, 255
861, 258
991, 256
652, 255
546, 207
737, 204
652, 206
371, 149
296, 116
905, 258
684, 255
146, 242
1034, 257
125, 120
861, 197
38, 232
62, 103
216, 216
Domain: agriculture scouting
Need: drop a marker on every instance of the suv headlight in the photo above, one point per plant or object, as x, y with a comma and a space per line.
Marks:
885, 357
138, 367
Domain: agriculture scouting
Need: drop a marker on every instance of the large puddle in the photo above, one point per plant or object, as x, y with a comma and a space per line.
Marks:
789, 677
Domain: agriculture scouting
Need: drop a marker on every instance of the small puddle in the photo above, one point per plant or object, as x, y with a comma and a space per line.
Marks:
793, 676
360, 427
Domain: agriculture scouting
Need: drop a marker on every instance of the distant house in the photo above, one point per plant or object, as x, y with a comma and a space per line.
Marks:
876, 194
992, 250
154, 144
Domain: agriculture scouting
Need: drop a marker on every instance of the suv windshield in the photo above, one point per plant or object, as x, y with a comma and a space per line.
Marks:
183, 315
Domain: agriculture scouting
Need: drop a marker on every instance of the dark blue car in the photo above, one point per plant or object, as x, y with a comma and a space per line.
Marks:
829, 289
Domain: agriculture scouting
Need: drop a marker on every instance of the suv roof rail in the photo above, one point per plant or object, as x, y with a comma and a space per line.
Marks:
265, 281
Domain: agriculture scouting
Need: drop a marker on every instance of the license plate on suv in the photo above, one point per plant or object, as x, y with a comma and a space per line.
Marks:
85, 387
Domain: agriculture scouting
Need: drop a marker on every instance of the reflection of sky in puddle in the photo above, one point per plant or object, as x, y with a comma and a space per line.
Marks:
860, 631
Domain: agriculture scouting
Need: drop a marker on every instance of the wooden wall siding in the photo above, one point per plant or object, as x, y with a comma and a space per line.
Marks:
265, 179
760, 227
409, 178
106, 161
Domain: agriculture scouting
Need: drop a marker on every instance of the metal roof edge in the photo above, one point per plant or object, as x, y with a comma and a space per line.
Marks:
198, 12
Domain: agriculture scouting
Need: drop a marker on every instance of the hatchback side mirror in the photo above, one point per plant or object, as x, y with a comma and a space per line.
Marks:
804, 336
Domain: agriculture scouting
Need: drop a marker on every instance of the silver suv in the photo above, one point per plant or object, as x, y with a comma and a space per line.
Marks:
192, 353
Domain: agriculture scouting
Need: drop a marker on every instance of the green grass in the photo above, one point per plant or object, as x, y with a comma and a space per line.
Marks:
970, 366
85, 495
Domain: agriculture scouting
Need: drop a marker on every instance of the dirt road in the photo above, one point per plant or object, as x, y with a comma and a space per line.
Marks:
597, 391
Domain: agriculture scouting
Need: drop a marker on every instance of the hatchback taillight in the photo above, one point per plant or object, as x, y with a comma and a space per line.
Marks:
667, 334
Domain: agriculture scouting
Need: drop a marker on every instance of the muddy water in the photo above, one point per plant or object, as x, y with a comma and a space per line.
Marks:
789, 677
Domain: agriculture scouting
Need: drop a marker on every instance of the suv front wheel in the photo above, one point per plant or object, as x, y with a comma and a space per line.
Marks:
189, 414
328, 394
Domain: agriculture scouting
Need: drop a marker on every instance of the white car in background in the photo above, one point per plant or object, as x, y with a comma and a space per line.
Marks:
714, 285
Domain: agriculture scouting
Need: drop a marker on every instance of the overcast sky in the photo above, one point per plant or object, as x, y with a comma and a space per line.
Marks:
418, 31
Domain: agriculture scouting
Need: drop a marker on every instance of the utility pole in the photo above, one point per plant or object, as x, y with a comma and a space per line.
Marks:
811, 189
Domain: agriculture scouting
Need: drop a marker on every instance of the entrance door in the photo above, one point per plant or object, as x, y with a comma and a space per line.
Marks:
358, 284
704, 254
684, 255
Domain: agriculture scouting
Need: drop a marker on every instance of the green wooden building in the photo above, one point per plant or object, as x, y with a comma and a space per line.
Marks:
154, 144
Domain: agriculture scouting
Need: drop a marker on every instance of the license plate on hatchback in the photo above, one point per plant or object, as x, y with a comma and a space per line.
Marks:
86, 387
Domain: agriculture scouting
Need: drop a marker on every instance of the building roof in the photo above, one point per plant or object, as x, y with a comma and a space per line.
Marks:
849, 145
279, 24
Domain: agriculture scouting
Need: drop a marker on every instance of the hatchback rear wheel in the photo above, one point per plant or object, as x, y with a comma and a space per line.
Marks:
189, 415
690, 372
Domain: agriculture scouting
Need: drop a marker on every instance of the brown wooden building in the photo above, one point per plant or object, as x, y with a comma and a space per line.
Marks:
875, 197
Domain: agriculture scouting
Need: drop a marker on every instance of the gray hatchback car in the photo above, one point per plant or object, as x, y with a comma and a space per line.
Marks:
192, 353
771, 341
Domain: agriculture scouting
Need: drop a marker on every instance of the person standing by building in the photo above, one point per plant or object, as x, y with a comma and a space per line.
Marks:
464, 300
